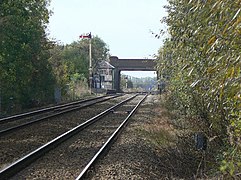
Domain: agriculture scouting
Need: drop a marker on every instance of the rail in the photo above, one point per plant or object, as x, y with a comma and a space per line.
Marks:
109, 142
14, 128
20, 164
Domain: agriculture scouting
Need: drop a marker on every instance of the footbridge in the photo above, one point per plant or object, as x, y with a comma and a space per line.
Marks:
130, 65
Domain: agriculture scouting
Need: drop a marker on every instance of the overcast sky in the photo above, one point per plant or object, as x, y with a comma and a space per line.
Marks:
124, 25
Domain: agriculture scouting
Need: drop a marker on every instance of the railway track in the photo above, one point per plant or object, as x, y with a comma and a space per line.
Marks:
25, 139
71, 154
13, 123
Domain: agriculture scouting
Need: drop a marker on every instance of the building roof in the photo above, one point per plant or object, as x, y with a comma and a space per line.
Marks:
105, 65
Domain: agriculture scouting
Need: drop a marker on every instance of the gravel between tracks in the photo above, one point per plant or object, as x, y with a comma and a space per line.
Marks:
15, 145
132, 156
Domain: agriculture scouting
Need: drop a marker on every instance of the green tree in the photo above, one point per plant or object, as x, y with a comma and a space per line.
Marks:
70, 62
76, 55
59, 67
202, 57
25, 71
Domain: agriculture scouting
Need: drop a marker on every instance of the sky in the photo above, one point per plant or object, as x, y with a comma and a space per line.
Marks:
124, 25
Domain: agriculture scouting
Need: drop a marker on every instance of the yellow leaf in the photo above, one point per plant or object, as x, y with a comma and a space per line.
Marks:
212, 40
225, 29
211, 70
232, 72
237, 22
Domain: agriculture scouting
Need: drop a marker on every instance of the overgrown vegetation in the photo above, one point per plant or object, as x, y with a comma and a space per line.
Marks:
70, 64
34, 68
25, 73
202, 61
178, 156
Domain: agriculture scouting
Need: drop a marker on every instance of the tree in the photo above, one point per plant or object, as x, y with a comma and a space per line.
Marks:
70, 62
76, 55
25, 72
59, 67
202, 57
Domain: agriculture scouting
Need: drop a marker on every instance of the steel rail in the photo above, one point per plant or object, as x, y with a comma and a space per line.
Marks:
20, 164
109, 142
14, 128
27, 114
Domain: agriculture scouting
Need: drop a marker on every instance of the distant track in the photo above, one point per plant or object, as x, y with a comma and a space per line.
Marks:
12, 123
31, 113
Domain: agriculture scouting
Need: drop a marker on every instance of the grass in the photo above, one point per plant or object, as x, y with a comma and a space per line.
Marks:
178, 157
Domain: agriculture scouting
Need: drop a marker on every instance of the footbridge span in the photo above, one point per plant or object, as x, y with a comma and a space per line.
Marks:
130, 65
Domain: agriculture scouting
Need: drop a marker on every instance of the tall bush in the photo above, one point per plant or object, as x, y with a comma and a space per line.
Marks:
25, 74
203, 59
